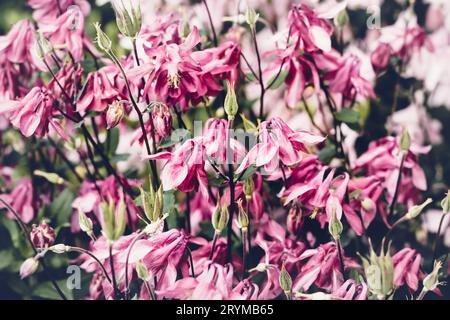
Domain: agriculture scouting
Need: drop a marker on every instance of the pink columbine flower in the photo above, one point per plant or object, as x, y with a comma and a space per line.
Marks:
89, 199
174, 76
381, 57
364, 194
17, 45
214, 283
321, 269
161, 254
33, 113
407, 268
350, 290
320, 194
21, 199
67, 32
382, 160
68, 77
162, 120
42, 235
49, 10
215, 137
184, 169
348, 80
278, 145
99, 91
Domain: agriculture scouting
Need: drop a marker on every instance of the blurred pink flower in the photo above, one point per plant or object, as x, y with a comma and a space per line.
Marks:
21, 199
407, 268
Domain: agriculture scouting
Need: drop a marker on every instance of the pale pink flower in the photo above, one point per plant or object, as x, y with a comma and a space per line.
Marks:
21, 199
407, 268
48, 10
17, 45
350, 290
184, 169
278, 145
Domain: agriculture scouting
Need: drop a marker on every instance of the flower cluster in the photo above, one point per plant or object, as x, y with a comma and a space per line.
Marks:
256, 153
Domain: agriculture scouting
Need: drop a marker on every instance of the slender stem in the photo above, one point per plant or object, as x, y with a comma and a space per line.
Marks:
211, 23
150, 290
249, 66
438, 237
341, 259
397, 186
113, 273
26, 232
213, 247
244, 253
232, 191
422, 294
81, 250
188, 213
65, 159
191, 262
127, 281
261, 81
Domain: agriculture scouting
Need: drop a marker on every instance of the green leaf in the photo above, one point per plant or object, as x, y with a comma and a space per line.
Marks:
278, 81
61, 207
113, 140
6, 258
348, 116
47, 291
181, 135
169, 202
327, 153
247, 173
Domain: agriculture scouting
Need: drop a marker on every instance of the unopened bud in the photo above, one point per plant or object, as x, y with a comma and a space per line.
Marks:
103, 41
162, 119
121, 219
285, 281
341, 19
367, 204
405, 140
249, 187
243, 220
28, 267
251, 17
49, 176
142, 271
231, 105
414, 211
219, 219
59, 248
335, 227
114, 114
445, 203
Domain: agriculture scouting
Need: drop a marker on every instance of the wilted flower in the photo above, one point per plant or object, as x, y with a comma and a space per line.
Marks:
114, 114
42, 235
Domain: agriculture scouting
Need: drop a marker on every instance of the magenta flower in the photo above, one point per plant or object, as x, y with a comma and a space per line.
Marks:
33, 113
48, 10
21, 199
42, 235
382, 160
162, 120
17, 45
184, 169
278, 145
322, 268
407, 268
174, 76
99, 91
350, 290
348, 80
367, 192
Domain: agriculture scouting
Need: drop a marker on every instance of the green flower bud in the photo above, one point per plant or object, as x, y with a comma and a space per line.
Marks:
219, 219
251, 17
230, 105
335, 227
59, 248
445, 203
341, 19
414, 211
113, 221
49, 176
285, 281
121, 219
142, 271
243, 220
249, 187
103, 41
405, 140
